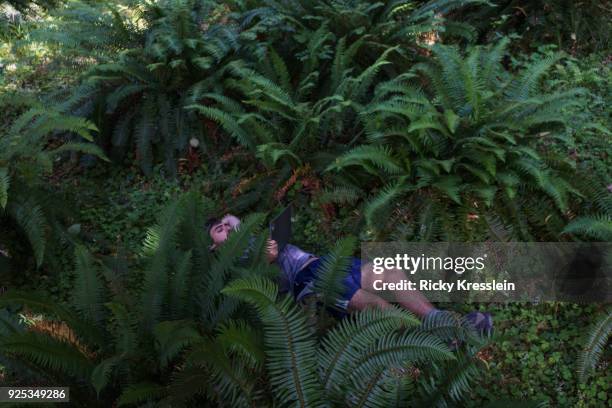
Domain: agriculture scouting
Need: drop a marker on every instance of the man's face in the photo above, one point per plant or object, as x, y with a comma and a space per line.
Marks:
220, 231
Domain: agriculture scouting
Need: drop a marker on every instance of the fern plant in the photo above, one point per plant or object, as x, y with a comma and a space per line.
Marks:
108, 337
596, 341
380, 26
137, 98
285, 124
575, 27
85, 32
25, 161
164, 56
298, 98
463, 136
187, 336
298, 370
25, 5
365, 360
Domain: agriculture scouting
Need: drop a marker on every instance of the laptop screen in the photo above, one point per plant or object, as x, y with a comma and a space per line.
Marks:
280, 228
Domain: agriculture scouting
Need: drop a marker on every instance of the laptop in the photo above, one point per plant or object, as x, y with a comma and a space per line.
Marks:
280, 228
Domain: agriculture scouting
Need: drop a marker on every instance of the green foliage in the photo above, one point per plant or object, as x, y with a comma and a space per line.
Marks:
5, 183
24, 5
579, 27
332, 271
117, 206
125, 331
342, 346
545, 338
298, 97
595, 227
468, 139
367, 346
373, 119
89, 31
160, 342
596, 341
289, 344
137, 98
87, 287
25, 161
47, 352
155, 59
380, 26
290, 124
589, 126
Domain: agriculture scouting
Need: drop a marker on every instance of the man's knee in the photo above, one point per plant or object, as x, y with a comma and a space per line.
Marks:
362, 299
368, 277
393, 276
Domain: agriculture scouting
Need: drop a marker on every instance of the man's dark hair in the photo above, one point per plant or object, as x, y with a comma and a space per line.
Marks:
212, 221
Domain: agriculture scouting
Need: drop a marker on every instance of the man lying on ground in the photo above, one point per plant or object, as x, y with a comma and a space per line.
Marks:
299, 271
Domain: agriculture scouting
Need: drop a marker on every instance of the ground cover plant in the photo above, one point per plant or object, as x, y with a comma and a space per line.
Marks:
126, 124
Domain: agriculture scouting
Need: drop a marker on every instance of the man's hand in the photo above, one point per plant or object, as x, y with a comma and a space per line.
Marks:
271, 250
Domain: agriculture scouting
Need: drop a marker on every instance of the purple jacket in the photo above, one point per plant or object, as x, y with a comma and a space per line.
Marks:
291, 261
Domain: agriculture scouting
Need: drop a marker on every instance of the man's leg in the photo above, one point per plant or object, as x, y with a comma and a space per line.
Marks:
362, 299
412, 300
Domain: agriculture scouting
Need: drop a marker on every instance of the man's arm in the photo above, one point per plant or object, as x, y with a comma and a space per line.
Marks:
272, 250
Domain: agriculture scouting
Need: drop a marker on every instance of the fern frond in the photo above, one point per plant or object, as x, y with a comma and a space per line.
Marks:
240, 338
144, 133
51, 121
159, 245
5, 183
280, 69
86, 148
332, 270
140, 393
122, 130
232, 382
596, 340
526, 84
122, 92
455, 379
227, 122
491, 65
48, 353
395, 349
31, 219
381, 202
365, 79
235, 248
125, 338
88, 287
179, 285
39, 303
379, 156
392, 351
451, 67
102, 372
450, 326
271, 153
598, 227
342, 346
341, 194
289, 341
172, 337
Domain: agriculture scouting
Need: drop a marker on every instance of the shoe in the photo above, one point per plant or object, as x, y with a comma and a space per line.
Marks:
481, 321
